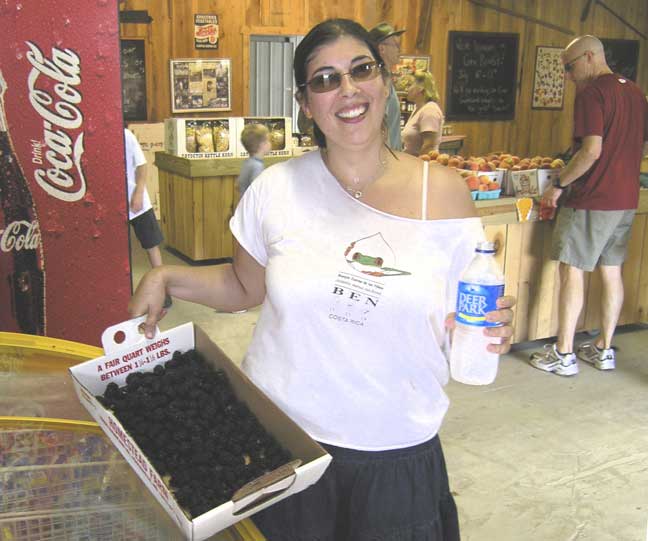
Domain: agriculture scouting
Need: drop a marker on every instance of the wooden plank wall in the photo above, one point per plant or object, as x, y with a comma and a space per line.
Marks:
170, 35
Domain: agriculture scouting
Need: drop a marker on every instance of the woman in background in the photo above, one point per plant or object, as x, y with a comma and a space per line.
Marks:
422, 132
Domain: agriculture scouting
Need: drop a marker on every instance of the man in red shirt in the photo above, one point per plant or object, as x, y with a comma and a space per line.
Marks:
601, 193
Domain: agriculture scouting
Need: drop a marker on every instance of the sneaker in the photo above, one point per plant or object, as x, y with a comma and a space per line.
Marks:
603, 359
551, 361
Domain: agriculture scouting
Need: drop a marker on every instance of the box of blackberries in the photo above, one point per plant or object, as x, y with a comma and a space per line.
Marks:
210, 446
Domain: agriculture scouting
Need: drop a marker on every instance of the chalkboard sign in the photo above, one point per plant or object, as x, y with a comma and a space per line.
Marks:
622, 55
482, 76
133, 72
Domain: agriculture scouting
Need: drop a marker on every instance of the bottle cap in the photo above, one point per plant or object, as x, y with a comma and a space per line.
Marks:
485, 247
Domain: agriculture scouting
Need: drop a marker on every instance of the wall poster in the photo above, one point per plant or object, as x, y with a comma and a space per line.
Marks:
200, 85
206, 31
548, 79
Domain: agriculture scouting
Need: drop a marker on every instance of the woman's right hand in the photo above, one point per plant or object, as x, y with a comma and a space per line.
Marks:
148, 300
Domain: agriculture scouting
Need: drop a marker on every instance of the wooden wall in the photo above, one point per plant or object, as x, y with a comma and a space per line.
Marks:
170, 35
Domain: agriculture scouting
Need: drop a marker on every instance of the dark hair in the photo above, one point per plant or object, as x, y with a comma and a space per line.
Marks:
327, 32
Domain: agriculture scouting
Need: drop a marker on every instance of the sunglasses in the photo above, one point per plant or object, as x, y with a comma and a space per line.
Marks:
326, 82
570, 65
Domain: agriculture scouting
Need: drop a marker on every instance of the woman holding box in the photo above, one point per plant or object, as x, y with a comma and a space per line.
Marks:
354, 253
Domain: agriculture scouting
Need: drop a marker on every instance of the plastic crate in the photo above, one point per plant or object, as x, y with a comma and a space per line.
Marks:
490, 194
474, 194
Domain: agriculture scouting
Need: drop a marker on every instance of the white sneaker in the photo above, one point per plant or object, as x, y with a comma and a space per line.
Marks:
550, 360
603, 359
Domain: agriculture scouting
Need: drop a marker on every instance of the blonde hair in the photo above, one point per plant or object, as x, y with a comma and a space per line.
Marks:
252, 136
426, 80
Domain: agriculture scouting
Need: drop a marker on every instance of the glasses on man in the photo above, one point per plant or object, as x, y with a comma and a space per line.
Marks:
325, 82
570, 65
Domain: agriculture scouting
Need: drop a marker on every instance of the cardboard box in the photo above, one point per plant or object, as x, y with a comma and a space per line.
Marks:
201, 137
532, 182
136, 353
150, 136
280, 134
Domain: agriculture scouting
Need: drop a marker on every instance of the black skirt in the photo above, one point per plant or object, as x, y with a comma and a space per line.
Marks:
397, 495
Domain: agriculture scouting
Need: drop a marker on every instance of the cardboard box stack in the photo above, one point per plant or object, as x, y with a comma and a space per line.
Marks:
201, 137
280, 129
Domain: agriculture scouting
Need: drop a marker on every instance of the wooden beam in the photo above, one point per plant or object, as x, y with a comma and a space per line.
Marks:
425, 22
523, 16
604, 6
586, 10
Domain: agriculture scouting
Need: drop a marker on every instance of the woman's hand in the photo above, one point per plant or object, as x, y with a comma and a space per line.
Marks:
503, 315
504, 332
149, 300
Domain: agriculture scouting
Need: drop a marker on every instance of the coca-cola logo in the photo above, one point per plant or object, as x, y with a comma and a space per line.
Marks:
64, 178
20, 235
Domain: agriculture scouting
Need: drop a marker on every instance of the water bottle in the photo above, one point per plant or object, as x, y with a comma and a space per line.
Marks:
480, 285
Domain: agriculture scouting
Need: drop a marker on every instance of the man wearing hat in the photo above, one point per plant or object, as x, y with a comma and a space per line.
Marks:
388, 41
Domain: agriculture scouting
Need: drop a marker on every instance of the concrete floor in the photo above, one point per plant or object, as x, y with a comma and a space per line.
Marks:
533, 457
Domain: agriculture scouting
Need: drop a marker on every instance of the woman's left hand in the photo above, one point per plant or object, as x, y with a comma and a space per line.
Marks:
503, 315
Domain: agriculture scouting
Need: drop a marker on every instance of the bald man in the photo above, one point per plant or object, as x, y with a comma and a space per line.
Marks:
600, 194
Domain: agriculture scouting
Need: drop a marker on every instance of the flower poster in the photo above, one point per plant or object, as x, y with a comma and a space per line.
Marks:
548, 79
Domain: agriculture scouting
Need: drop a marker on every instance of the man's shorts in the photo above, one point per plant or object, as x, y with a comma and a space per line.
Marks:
587, 238
147, 229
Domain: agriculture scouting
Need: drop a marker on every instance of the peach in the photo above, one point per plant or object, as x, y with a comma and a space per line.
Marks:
493, 186
473, 183
483, 179
453, 162
434, 154
515, 160
425, 157
557, 164
485, 167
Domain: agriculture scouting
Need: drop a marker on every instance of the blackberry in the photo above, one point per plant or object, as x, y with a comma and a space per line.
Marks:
185, 417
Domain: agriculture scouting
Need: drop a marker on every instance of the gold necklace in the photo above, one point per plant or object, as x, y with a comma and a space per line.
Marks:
355, 190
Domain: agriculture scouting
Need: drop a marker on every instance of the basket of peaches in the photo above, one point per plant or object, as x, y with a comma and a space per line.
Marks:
482, 176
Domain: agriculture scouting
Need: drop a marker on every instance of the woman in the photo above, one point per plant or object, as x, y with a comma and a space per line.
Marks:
422, 132
354, 253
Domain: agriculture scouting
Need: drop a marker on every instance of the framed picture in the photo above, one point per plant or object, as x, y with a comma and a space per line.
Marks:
403, 74
548, 79
201, 85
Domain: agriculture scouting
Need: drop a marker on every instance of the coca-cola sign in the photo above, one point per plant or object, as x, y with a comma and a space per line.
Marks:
61, 115
64, 263
20, 235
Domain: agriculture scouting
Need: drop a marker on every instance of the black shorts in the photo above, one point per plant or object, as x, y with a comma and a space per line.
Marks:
399, 495
147, 229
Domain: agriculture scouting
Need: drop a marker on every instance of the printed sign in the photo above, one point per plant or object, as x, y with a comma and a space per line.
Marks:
206, 31
64, 258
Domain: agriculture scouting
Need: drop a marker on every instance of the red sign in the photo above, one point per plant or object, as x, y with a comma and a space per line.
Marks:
64, 258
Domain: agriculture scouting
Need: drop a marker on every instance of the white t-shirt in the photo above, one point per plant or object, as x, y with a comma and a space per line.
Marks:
350, 341
428, 118
134, 158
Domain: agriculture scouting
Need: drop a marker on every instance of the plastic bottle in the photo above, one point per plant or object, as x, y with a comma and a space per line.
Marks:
480, 285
